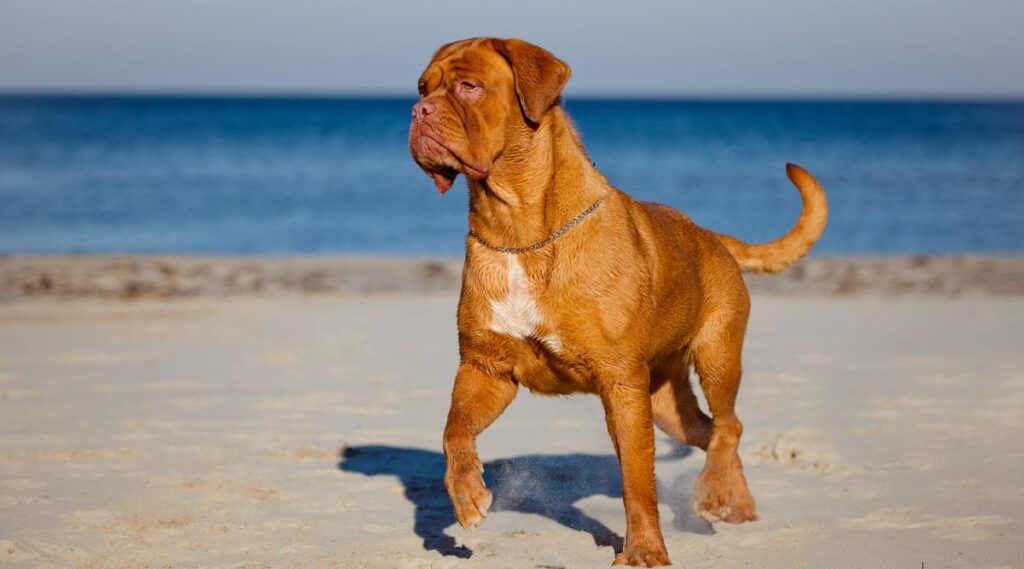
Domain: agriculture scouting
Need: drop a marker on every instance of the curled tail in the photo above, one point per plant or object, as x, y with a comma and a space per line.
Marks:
775, 255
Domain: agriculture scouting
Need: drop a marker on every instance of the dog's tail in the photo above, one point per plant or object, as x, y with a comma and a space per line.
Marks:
773, 256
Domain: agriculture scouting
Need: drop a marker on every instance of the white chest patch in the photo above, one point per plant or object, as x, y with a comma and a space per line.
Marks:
516, 314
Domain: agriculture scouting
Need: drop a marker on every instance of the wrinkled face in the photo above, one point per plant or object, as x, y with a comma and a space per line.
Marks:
466, 95
472, 95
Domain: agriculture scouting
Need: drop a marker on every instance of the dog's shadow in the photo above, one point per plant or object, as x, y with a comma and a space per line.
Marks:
535, 484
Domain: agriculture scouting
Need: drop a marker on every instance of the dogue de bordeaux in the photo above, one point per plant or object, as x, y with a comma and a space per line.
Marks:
570, 285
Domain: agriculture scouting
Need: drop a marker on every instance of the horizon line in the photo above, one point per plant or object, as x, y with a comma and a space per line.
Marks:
866, 97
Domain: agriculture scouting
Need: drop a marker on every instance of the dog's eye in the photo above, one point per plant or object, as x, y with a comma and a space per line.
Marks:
467, 87
422, 89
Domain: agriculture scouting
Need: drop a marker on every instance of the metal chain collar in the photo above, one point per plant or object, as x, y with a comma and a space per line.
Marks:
558, 233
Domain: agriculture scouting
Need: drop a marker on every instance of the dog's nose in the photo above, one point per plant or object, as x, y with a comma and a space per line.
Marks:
423, 108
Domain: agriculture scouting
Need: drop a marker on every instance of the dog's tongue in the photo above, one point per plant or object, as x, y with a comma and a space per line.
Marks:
441, 182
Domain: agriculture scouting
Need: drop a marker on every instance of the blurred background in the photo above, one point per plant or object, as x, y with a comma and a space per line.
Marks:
271, 127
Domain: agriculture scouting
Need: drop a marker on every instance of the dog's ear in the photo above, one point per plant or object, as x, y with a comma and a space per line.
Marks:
539, 76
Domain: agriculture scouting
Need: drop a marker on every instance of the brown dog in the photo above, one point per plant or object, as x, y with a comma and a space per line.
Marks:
572, 286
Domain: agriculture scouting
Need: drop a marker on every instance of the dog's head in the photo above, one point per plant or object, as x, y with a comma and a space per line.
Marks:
477, 97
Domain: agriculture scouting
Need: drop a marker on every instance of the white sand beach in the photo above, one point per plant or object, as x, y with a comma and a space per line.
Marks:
304, 430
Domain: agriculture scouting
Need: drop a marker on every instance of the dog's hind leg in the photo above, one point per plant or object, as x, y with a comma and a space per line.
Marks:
721, 493
675, 407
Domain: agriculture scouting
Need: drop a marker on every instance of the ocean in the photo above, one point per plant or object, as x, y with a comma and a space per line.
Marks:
333, 175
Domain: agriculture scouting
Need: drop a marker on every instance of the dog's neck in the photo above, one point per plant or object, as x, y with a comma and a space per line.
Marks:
542, 179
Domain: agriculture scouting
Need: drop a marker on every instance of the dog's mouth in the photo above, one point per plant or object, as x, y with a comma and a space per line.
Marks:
443, 178
440, 162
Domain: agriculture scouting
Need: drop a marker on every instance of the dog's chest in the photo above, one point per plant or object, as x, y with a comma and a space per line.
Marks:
516, 313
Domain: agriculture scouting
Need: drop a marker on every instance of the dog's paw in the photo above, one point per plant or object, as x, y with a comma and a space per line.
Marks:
643, 556
470, 497
723, 497
742, 508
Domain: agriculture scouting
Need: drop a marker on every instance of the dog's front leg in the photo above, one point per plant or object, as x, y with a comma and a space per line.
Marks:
477, 400
627, 405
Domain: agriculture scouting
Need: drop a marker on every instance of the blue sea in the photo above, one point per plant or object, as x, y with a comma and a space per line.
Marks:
333, 175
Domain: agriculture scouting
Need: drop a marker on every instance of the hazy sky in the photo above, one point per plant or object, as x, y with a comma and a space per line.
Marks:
940, 48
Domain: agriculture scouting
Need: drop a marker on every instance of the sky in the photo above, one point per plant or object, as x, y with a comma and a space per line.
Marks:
696, 48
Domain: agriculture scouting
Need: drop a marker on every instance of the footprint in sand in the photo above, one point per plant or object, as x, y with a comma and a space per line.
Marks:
74, 454
958, 528
18, 394
87, 358
802, 448
284, 357
231, 487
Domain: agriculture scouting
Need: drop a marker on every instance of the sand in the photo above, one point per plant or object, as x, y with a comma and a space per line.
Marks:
175, 276
303, 430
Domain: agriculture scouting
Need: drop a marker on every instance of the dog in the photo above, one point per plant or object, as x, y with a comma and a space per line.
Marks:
572, 286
